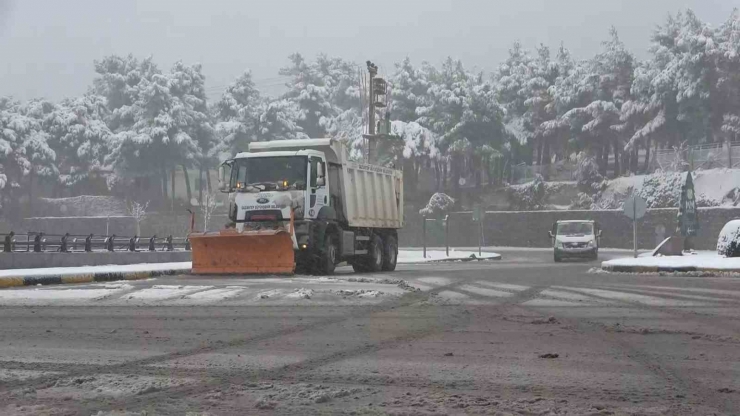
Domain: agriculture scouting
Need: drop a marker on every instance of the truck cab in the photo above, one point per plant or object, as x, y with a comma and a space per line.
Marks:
575, 239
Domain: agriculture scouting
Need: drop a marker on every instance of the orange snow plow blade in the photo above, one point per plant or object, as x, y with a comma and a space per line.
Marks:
248, 252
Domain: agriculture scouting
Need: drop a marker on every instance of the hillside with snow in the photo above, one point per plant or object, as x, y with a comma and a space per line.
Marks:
713, 187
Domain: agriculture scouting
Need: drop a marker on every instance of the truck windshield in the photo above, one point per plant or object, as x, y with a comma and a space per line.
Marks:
575, 228
269, 173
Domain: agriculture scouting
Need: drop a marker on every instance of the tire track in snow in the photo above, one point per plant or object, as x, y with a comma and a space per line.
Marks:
662, 368
356, 312
452, 320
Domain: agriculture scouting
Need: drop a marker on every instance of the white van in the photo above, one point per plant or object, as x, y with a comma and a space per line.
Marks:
575, 238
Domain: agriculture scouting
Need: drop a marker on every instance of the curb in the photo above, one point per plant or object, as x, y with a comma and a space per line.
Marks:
657, 269
55, 279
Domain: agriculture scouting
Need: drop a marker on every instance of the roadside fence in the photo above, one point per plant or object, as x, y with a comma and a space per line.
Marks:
39, 242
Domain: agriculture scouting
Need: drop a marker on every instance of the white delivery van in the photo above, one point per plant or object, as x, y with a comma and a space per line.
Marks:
575, 238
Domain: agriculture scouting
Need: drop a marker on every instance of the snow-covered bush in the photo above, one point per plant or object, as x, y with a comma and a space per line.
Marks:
728, 243
663, 190
582, 201
438, 204
588, 177
530, 196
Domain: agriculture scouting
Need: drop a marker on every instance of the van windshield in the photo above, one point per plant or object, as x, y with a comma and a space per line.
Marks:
270, 173
575, 228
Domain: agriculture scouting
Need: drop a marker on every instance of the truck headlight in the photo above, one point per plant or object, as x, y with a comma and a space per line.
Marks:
591, 243
298, 212
558, 244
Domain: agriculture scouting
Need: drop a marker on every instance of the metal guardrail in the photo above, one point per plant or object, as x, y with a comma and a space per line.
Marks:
38, 242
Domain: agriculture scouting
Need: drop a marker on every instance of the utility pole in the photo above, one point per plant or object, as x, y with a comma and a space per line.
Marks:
371, 147
378, 95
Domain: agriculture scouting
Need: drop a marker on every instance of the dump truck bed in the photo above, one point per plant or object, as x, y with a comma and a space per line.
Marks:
373, 196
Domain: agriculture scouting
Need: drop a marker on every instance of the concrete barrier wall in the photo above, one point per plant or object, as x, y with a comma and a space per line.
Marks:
39, 260
529, 229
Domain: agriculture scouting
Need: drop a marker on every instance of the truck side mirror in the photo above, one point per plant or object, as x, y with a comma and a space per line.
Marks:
551, 234
320, 170
223, 183
599, 233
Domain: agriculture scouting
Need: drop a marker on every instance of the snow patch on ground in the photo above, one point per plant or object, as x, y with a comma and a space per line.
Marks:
45, 294
22, 375
110, 385
128, 268
569, 296
505, 286
701, 260
160, 292
217, 294
632, 297
365, 294
485, 292
435, 281
272, 396
417, 256
301, 293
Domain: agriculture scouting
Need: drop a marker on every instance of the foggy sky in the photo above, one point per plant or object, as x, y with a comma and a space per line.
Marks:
47, 47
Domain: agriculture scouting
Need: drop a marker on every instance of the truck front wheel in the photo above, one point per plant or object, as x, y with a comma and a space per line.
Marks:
328, 257
390, 253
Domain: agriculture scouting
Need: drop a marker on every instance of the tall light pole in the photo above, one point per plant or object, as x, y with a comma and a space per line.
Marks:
371, 147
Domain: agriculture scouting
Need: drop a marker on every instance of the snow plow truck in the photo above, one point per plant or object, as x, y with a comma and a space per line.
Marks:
302, 205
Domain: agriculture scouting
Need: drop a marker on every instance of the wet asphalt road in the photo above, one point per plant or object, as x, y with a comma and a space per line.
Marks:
518, 336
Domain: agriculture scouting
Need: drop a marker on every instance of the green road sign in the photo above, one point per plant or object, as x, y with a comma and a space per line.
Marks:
478, 213
688, 215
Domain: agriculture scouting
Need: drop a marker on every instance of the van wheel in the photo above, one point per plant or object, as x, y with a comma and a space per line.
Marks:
328, 257
390, 254
375, 254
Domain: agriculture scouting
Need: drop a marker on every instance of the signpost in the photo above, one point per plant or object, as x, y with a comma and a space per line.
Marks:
478, 215
635, 208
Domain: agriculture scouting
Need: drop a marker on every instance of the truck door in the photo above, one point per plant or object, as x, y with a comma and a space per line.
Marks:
319, 186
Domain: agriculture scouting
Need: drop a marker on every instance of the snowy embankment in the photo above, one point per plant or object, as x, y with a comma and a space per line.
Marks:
714, 187
703, 261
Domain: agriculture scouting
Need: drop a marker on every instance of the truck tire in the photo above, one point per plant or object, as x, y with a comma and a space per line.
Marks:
390, 253
375, 254
327, 260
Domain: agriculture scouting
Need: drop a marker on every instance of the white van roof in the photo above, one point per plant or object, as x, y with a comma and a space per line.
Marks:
564, 221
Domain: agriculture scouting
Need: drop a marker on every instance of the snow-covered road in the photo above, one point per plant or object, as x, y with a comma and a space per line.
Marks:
516, 336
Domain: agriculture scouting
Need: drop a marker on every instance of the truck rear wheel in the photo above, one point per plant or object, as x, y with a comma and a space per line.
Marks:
390, 253
373, 260
375, 254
